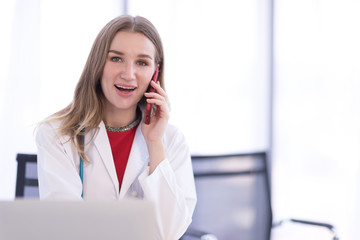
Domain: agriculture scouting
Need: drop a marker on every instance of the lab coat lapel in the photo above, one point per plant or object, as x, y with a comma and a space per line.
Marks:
138, 160
103, 147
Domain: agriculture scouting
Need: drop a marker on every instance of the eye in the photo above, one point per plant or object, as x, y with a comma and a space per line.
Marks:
116, 59
142, 63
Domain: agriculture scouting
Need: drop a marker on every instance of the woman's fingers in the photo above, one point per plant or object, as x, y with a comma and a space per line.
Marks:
155, 96
158, 94
158, 102
159, 89
158, 98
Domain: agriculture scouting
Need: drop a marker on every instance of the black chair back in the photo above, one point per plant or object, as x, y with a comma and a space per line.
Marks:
233, 196
26, 179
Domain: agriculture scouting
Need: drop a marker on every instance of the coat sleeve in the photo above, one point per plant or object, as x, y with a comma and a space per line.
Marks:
57, 173
171, 187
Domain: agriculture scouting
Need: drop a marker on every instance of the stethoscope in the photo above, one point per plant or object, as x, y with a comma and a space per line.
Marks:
81, 168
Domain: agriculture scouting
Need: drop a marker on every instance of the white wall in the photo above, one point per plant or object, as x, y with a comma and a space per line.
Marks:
7, 168
317, 116
45, 46
216, 69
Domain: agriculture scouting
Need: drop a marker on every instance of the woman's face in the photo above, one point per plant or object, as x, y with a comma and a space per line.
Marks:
128, 69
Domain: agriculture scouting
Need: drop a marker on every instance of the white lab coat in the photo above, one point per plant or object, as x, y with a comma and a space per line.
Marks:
171, 186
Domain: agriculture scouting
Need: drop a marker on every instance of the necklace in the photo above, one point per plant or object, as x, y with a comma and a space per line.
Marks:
124, 129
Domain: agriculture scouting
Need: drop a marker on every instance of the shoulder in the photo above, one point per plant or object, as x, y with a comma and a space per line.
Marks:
48, 126
174, 135
172, 130
48, 129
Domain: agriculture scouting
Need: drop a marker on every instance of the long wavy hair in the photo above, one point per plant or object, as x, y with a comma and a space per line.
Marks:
85, 112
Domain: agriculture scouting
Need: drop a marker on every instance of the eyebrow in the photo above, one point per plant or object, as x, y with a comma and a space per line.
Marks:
122, 54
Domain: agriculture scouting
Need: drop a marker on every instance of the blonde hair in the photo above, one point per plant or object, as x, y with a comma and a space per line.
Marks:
85, 112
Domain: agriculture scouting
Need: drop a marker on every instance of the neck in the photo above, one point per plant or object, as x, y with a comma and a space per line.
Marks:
119, 118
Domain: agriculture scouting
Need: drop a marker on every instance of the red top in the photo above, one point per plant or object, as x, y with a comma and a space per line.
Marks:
121, 143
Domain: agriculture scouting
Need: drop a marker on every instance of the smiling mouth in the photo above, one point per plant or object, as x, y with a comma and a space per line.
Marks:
125, 89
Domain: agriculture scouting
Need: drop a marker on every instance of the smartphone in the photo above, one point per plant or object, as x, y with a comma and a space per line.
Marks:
149, 107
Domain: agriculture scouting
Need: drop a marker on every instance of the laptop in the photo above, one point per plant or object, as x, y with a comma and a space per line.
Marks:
77, 220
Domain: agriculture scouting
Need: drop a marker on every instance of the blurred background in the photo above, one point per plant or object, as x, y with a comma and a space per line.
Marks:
250, 75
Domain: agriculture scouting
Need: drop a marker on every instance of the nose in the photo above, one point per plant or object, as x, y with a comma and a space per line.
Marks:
128, 72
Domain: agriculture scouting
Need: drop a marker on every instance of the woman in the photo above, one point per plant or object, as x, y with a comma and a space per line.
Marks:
99, 147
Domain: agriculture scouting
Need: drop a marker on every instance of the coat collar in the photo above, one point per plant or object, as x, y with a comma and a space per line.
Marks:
102, 145
138, 158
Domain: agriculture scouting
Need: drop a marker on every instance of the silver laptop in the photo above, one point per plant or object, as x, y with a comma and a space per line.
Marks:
69, 220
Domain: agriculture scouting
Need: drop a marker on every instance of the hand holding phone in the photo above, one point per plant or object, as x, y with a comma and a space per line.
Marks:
149, 107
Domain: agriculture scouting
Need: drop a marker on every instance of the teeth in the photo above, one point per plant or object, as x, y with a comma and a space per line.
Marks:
126, 88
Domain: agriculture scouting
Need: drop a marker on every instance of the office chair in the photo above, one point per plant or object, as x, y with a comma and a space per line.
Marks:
234, 199
26, 179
